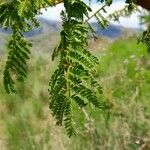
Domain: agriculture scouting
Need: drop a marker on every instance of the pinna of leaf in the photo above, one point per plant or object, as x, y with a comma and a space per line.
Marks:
73, 81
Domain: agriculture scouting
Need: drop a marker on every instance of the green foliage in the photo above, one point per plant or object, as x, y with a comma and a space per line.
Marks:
145, 38
16, 62
74, 80
19, 21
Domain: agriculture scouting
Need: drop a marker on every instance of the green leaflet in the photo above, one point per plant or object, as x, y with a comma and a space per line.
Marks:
145, 38
16, 61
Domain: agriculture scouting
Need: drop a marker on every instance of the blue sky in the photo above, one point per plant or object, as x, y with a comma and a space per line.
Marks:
133, 21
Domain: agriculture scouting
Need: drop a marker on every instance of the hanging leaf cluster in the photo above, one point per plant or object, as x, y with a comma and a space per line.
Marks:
19, 17
73, 81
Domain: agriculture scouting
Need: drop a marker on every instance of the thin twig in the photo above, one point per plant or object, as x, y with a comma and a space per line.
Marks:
95, 13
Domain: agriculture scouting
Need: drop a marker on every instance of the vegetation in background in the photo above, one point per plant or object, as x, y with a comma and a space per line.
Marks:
124, 73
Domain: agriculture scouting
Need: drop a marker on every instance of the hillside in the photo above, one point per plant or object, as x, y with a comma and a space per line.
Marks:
49, 26
46, 36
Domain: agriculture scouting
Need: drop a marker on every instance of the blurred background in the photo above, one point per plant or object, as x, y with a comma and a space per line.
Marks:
124, 73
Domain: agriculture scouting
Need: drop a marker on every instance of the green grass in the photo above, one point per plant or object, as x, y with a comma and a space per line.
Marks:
124, 73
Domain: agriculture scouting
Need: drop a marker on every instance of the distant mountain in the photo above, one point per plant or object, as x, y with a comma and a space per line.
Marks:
48, 26
111, 31
45, 26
